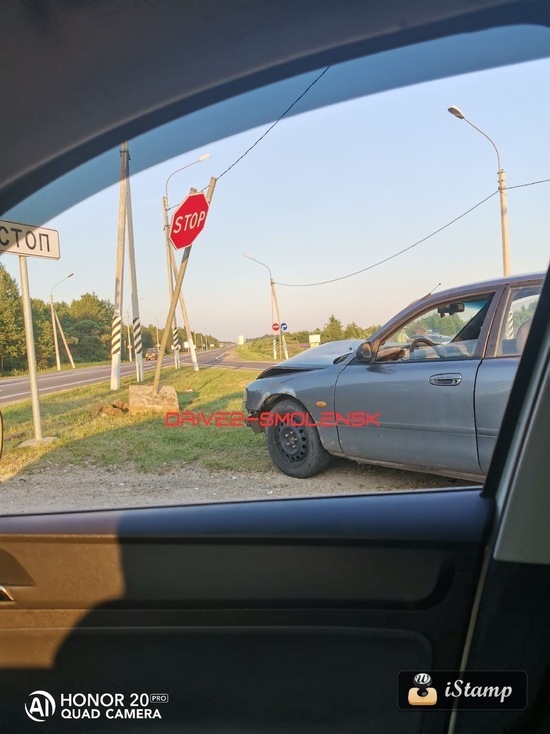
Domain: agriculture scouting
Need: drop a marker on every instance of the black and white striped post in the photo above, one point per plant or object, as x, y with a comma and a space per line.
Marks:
176, 346
138, 346
116, 337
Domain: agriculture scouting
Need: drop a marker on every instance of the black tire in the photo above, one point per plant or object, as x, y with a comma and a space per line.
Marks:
295, 448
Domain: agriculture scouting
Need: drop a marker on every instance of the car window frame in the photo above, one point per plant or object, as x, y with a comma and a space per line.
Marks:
505, 299
433, 302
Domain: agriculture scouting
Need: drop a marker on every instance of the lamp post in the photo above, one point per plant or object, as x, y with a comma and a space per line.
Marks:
502, 192
274, 312
55, 323
170, 263
159, 315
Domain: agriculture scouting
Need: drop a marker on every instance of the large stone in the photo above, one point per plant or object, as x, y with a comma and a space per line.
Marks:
32, 443
143, 400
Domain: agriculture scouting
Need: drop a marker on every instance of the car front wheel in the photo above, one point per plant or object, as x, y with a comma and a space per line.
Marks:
293, 441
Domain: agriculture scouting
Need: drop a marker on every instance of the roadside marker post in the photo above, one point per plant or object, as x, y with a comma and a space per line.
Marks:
26, 240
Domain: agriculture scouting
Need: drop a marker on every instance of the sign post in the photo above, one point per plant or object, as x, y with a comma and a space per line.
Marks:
26, 240
187, 222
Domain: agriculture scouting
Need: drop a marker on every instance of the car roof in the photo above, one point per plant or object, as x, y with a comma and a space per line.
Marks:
488, 285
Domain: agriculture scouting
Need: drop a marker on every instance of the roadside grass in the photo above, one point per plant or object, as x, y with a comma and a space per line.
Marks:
144, 441
261, 349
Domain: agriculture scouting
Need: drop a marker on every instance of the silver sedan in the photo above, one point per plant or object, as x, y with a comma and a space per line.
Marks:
426, 392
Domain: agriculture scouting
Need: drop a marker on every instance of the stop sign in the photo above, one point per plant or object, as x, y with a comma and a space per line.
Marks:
188, 220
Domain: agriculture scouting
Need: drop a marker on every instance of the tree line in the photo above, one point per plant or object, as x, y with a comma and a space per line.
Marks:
86, 322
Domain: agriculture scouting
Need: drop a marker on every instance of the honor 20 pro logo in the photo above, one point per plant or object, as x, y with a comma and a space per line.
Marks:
40, 707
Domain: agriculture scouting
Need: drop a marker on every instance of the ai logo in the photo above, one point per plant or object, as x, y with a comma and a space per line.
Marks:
40, 706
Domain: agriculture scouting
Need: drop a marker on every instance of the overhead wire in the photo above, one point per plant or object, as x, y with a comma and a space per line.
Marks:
395, 254
270, 128
410, 247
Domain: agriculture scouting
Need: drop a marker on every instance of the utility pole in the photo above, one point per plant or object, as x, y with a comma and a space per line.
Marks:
54, 328
125, 225
129, 340
282, 339
136, 325
116, 330
69, 355
56, 324
184, 315
174, 299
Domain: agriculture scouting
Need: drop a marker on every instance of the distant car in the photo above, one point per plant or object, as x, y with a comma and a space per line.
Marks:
151, 354
427, 392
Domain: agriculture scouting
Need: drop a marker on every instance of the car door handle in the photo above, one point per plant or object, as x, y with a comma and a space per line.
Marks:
446, 380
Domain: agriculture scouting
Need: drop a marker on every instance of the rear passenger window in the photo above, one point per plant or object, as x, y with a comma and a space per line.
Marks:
517, 320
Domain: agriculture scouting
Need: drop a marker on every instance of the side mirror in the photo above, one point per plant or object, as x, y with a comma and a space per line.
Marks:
365, 352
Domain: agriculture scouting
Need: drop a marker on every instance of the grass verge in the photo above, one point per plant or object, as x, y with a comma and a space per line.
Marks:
143, 441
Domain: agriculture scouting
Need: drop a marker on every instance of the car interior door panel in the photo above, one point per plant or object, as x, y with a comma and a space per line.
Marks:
192, 592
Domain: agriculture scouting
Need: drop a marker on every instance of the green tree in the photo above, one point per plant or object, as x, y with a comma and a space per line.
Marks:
87, 323
352, 331
90, 307
43, 334
333, 330
12, 332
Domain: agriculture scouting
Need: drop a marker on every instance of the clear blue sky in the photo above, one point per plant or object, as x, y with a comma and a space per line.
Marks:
328, 192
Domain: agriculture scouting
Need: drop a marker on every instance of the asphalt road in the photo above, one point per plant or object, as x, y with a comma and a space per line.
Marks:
16, 389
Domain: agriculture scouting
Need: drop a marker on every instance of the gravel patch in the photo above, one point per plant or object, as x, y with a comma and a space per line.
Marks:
60, 488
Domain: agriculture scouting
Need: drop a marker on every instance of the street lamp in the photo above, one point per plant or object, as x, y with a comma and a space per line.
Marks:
57, 324
502, 192
157, 325
171, 266
274, 310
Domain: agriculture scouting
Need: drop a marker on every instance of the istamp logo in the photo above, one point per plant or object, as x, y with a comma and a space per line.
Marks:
40, 707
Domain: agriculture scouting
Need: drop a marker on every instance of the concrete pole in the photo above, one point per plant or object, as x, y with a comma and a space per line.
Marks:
31, 355
128, 333
167, 248
170, 319
184, 315
504, 222
55, 342
116, 334
69, 355
273, 291
136, 325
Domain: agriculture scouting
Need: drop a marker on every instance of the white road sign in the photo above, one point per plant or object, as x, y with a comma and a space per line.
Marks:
28, 240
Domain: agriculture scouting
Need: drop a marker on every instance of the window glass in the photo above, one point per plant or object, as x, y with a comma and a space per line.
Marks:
448, 331
517, 321
323, 225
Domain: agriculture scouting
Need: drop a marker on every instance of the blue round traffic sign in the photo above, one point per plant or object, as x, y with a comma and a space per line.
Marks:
284, 326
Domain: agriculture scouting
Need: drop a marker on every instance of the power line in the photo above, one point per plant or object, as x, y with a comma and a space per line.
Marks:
415, 244
270, 128
531, 183
395, 254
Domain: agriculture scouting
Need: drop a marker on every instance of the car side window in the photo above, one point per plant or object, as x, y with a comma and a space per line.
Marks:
517, 321
449, 330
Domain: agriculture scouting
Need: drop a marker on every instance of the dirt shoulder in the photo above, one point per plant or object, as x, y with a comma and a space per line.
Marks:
64, 488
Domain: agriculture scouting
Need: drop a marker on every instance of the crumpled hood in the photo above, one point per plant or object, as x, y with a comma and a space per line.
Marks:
323, 355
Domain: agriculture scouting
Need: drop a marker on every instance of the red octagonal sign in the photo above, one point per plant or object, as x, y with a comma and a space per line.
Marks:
188, 220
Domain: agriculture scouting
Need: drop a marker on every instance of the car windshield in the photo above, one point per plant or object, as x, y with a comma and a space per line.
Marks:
296, 225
